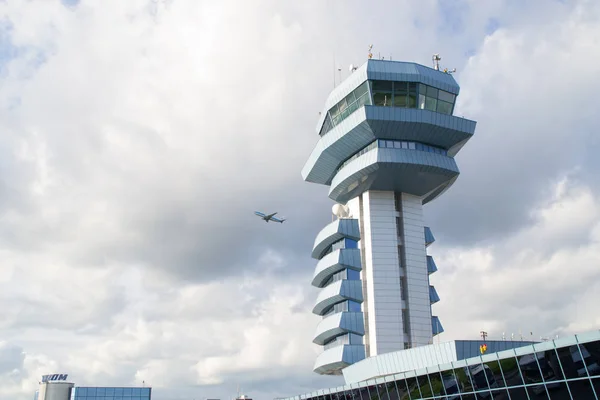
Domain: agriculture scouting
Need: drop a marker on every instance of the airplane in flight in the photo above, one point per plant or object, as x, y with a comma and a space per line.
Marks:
270, 217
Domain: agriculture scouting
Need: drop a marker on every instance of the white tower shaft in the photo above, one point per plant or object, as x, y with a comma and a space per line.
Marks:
395, 280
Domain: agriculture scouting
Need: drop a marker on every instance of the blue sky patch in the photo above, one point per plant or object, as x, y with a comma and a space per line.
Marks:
452, 14
492, 26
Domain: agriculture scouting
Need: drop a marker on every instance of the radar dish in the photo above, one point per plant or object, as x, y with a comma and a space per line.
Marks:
340, 211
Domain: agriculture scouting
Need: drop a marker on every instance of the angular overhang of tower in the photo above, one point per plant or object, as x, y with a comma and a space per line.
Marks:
339, 324
333, 360
436, 325
431, 267
401, 170
336, 293
433, 295
335, 262
338, 229
376, 122
429, 238
439, 190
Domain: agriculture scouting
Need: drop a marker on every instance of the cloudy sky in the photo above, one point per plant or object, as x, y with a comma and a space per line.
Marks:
139, 136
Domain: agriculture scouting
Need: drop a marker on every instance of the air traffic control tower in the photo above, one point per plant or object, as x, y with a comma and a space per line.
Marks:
387, 145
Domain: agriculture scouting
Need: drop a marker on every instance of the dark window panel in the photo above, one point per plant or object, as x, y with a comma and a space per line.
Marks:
362, 89
412, 95
362, 100
401, 94
382, 99
382, 86
593, 349
444, 107
445, 96
432, 92
430, 103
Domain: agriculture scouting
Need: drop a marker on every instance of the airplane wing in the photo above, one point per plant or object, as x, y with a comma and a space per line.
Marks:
270, 216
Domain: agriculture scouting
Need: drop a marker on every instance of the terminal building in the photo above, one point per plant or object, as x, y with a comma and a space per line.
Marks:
387, 142
56, 387
566, 368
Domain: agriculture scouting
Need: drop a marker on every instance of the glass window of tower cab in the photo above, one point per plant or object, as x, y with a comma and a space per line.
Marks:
390, 94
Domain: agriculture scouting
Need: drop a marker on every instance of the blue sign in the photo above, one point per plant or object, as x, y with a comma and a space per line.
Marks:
55, 377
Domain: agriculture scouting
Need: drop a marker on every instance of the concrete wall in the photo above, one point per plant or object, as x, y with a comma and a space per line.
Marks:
417, 277
381, 272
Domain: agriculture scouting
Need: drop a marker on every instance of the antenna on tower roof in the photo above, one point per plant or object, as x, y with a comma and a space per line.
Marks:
370, 53
436, 64
436, 61
334, 70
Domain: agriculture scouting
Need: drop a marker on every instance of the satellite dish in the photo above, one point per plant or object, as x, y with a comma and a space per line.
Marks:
340, 211
352, 68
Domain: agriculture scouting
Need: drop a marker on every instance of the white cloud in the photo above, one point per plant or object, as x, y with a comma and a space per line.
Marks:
192, 334
531, 281
518, 88
19, 371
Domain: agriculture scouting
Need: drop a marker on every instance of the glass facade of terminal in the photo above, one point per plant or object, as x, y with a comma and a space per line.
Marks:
389, 94
112, 393
562, 369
